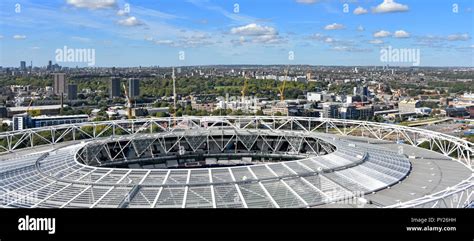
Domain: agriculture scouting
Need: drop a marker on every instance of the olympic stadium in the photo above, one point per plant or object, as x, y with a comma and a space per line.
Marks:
234, 162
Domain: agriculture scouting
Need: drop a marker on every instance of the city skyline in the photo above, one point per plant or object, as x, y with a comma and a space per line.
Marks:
187, 33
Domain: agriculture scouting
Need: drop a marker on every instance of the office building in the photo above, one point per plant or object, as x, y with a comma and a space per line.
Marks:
114, 87
20, 121
40, 121
22, 65
133, 87
59, 83
25, 121
3, 112
408, 106
330, 110
72, 92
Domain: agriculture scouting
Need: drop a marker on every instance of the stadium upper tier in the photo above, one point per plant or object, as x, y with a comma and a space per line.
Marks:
232, 162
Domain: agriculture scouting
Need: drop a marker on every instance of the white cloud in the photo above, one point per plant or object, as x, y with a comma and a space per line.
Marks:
389, 6
350, 49
376, 41
360, 11
337, 44
340, 48
401, 34
19, 37
239, 41
257, 34
307, 1
458, 37
130, 21
318, 36
267, 39
197, 40
334, 26
35, 48
253, 30
360, 28
381, 34
329, 40
164, 42
92, 4
122, 12
1, 36
81, 39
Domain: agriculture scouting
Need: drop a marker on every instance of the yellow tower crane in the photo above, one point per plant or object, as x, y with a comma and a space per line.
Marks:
129, 103
282, 87
245, 88
31, 113
173, 76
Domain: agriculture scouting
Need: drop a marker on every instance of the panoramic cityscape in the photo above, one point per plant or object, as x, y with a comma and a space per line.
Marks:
236, 104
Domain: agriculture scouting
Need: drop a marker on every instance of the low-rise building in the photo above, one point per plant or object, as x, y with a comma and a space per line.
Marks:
25, 121
408, 105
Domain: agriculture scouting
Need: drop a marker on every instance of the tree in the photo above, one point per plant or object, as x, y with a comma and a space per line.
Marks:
161, 114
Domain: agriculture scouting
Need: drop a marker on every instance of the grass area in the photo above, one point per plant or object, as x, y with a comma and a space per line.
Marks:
407, 123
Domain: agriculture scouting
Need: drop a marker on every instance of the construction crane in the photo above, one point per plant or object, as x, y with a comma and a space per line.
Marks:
129, 103
282, 87
29, 107
245, 88
174, 96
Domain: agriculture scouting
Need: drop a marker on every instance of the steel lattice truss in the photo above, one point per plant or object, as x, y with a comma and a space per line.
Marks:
209, 142
329, 170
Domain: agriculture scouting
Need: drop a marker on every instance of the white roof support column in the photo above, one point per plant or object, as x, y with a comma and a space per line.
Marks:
287, 167
123, 177
294, 193
100, 199
213, 195
264, 189
274, 173
79, 194
85, 174
186, 189
238, 189
67, 175
315, 188
100, 178
161, 189
144, 177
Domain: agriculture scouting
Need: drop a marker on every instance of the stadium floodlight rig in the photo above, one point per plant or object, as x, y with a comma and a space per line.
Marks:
234, 162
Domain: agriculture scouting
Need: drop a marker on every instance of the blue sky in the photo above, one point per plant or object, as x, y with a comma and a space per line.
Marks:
318, 32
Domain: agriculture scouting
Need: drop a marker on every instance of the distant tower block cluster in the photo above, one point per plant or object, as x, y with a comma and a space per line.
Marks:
133, 87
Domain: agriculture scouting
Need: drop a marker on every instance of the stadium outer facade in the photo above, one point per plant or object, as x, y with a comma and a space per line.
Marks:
234, 162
